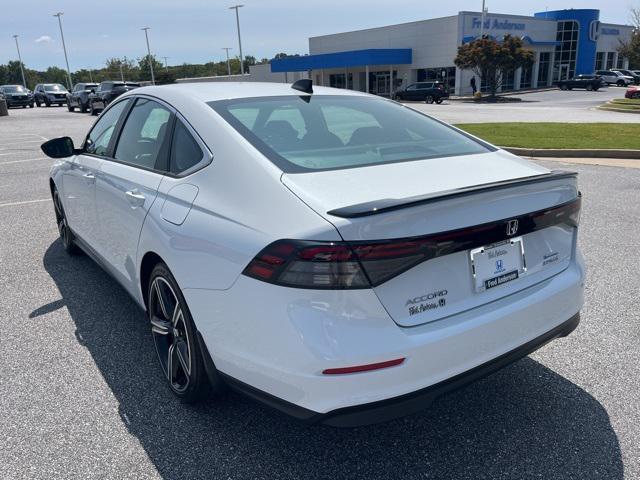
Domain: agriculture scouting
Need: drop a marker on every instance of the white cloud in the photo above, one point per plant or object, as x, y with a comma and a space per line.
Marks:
44, 39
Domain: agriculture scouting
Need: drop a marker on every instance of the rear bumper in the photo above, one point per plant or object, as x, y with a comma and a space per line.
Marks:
273, 344
403, 405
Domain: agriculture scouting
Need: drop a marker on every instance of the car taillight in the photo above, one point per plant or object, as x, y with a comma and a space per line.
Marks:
304, 264
336, 265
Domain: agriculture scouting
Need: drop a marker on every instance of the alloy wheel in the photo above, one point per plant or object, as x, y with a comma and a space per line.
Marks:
61, 220
170, 334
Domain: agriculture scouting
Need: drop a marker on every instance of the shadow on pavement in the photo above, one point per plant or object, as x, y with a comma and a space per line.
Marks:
522, 422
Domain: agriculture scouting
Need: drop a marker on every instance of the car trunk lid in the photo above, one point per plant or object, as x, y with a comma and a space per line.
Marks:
441, 202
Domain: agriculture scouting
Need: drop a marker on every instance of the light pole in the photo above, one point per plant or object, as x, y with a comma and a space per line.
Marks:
166, 64
236, 8
146, 35
24, 82
121, 74
64, 47
482, 17
226, 49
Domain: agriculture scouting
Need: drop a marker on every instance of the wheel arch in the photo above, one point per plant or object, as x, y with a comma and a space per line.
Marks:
149, 261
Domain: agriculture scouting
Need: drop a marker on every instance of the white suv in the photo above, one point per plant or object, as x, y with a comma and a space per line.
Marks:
611, 77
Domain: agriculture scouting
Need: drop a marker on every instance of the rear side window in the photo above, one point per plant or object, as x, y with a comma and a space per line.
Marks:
97, 142
143, 134
328, 132
185, 151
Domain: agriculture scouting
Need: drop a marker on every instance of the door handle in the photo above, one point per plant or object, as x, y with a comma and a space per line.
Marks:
89, 177
135, 198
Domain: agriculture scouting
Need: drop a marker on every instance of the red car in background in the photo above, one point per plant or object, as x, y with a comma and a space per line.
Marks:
633, 92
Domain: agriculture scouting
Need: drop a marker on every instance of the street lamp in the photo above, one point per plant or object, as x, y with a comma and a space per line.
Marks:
166, 64
482, 17
228, 64
64, 47
236, 7
24, 82
146, 35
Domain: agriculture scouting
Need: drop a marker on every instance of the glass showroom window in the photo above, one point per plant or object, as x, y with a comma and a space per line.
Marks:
566, 50
508, 80
620, 62
543, 68
525, 78
599, 61
610, 58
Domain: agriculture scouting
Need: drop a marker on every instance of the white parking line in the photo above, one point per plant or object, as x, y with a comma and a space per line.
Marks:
2, 145
13, 204
27, 160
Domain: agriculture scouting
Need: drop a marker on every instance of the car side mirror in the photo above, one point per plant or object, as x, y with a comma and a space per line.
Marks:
59, 148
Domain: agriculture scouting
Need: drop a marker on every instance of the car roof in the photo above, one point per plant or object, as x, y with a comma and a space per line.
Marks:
212, 91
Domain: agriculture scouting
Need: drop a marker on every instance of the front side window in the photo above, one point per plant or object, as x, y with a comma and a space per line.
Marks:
328, 132
143, 134
185, 151
97, 142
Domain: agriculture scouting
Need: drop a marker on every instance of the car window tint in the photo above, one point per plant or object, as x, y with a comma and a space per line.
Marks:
247, 116
343, 121
343, 131
143, 134
185, 151
280, 117
100, 135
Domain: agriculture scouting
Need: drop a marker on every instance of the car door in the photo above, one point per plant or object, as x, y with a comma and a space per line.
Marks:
128, 184
80, 174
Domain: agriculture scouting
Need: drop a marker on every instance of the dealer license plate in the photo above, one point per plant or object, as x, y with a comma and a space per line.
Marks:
497, 264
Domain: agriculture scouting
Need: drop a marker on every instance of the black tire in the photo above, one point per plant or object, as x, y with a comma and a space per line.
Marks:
38, 104
24, 106
428, 99
31, 105
92, 110
589, 88
69, 107
83, 107
176, 339
439, 100
66, 235
563, 87
620, 83
48, 104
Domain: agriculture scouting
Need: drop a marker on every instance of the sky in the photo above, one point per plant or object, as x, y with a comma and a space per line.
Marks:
194, 31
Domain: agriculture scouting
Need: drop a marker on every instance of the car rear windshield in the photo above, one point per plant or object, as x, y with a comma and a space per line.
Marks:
328, 132
54, 88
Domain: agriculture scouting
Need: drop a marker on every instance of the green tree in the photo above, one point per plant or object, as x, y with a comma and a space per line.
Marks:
144, 66
631, 48
491, 59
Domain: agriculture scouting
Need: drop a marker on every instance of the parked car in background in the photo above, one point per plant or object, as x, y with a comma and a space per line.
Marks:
588, 82
106, 93
264, 269
633, 92
423, 91
17, 96
50, 94
79, 96
611, 77
629, 73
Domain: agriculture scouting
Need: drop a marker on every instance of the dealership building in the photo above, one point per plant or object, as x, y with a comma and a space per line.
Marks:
565, 43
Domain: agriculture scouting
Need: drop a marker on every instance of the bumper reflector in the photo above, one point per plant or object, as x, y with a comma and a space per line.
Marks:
363, 368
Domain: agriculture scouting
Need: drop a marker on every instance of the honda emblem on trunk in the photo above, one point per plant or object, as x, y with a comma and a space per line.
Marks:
512, 227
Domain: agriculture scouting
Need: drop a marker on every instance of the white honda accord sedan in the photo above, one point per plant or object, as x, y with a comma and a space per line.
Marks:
336, 255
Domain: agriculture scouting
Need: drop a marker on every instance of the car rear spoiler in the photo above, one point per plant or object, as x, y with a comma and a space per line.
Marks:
384, 205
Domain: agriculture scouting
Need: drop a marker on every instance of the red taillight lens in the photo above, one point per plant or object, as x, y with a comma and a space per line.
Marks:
302, 264
363, 368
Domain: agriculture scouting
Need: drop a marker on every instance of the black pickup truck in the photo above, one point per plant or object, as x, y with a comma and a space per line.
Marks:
588, 82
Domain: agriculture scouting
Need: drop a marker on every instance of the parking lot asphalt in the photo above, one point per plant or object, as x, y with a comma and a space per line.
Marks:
81, 394
576, 106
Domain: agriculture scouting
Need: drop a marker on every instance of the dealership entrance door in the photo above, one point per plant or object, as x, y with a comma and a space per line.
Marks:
381, 83
564, 72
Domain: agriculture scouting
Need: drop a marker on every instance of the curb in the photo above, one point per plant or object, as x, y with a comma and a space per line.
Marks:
614, 109
574, 153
